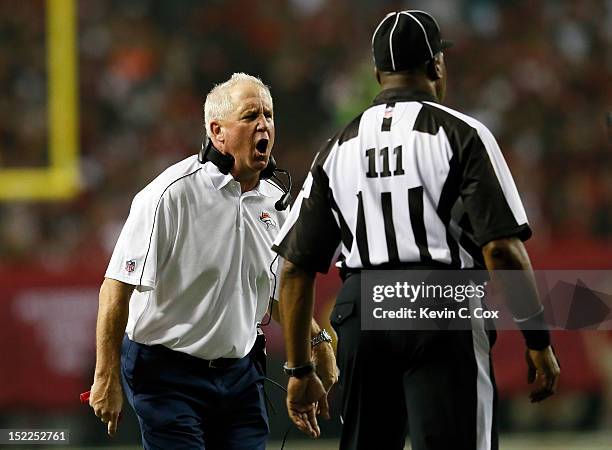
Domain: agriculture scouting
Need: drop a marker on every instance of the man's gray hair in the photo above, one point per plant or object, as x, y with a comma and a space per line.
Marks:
218, 104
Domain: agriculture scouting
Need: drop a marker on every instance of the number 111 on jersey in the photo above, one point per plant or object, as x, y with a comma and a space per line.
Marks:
384, 155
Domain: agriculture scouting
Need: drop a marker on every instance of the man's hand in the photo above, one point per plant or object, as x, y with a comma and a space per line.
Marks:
304, 397
325, 361
543, 368
106, 399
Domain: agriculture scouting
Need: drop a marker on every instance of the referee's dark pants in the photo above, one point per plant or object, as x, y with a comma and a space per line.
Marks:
436, 386
183, 404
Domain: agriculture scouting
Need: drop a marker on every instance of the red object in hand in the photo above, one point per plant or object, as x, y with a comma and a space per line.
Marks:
84, 397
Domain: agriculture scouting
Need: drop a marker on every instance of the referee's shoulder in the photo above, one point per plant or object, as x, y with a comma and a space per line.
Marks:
341, 137
350, 131
458, 119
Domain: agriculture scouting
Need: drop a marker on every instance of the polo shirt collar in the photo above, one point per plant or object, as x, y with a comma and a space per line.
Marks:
402, 94
220, 180
261, 190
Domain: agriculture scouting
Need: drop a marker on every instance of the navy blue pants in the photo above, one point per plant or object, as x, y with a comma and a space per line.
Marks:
181, 403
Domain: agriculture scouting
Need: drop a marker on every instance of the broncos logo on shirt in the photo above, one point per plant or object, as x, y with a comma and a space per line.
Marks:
266, 218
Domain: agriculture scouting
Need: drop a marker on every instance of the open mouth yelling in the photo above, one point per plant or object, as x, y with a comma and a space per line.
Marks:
261, 146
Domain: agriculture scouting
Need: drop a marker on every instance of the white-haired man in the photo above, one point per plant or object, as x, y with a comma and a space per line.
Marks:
187, 285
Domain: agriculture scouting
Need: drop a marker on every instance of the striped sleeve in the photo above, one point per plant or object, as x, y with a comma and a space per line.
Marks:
488, 191
310, 236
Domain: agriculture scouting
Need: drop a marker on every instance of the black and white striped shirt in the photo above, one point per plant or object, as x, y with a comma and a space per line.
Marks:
407, 181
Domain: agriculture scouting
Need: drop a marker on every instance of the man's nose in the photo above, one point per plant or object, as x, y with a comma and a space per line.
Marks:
262, 123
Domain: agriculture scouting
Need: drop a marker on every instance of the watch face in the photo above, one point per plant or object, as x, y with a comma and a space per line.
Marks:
323, 336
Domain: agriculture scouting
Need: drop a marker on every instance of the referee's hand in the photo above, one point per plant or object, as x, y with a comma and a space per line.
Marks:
543, 368
304, 397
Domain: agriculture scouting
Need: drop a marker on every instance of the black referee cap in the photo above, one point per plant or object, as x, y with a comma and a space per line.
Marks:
404, 39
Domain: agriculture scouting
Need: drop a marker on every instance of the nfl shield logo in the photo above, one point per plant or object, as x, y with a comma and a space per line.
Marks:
130, 266
388, 112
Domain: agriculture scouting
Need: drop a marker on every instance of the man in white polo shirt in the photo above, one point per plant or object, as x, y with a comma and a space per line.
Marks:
188, 283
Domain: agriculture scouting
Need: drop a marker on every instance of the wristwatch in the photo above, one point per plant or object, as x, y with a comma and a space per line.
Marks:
323, 336
299, 371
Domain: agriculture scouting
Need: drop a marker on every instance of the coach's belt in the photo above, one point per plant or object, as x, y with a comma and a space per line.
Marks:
221, 363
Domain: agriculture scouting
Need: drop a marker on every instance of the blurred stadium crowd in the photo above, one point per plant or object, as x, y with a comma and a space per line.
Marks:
537, 73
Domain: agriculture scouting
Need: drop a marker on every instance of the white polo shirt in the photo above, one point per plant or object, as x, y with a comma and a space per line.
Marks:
198, 252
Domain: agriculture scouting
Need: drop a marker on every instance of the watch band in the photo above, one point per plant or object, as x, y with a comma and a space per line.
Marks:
322, 336
535, 330
299, 371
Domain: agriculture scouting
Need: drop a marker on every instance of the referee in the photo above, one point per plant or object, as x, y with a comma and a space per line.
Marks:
408, 184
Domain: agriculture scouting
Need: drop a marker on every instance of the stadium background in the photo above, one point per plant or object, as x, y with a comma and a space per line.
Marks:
97, 97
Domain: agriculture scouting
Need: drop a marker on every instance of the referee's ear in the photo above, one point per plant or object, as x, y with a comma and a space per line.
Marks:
435, 67
377, 74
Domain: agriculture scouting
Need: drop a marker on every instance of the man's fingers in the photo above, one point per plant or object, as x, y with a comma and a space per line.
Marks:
295, 419
105, 416
546, 380
308, 425
111, 419
312, 420
543, 368
552, 379
324, 407
305, 399
112, 425
538, 396
543, 390
301, 421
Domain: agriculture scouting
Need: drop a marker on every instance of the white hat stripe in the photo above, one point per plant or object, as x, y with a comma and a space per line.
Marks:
422, 28
426, 13
379, 25
391, 41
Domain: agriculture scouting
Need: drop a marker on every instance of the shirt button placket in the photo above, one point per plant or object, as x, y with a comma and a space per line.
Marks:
236, 191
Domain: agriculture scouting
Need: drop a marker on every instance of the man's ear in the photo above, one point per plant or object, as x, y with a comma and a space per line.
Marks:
216, 134
435, 69
377, 74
